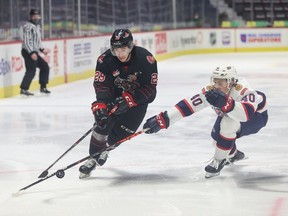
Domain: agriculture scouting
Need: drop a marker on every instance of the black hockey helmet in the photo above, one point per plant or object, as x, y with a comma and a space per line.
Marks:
34, 12
121, 38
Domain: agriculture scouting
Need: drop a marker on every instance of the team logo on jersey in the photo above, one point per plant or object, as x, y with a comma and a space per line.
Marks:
116, 73
132, 78
129, 84
151, 59
100, 58
238, 87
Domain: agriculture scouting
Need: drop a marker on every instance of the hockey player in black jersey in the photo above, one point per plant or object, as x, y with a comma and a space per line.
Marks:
125, 78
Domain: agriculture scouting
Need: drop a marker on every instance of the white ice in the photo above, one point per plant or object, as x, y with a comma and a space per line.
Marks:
150, 175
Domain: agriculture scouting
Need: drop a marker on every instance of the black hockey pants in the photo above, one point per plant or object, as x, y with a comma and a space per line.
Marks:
31, 66
120, 127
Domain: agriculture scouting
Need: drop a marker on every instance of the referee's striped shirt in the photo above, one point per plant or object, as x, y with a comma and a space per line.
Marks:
31, 37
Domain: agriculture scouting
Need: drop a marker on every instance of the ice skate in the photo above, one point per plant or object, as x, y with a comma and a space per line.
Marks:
90, 165
26, 92
87, 168
238, 155
45, 91
102, 158
214, 168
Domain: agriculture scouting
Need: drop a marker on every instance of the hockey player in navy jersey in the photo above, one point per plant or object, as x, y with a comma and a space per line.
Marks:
241, 111
125, 78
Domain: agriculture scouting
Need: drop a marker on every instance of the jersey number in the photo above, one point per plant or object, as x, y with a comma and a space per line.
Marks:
196, 100
99, 77
249, 97
154, 78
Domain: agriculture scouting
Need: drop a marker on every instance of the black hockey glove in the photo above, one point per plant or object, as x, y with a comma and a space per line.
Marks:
100, 114
124, 103
219, 99
156, 123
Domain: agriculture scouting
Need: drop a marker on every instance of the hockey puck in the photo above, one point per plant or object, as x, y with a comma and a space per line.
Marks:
60, 173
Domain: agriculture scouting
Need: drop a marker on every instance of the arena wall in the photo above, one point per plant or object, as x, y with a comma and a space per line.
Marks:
73, 59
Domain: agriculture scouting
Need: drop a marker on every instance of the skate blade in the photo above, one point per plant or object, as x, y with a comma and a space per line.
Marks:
43, 93
25, 96
211, 175
84, 176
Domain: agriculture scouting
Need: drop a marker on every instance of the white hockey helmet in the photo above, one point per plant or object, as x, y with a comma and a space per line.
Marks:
227, 72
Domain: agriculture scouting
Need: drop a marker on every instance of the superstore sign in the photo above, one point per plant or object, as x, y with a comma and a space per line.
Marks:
261, 38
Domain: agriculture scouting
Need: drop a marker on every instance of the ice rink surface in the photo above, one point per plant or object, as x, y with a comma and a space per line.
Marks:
151, 175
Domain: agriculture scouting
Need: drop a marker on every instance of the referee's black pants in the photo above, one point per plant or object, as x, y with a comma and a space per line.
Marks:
31, 66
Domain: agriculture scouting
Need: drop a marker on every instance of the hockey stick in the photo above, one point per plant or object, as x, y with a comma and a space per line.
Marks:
125, 139
45, 172
61, 172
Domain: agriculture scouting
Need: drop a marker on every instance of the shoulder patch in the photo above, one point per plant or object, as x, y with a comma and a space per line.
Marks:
243, 91
209, 87
150, 59
238, 87
100, 58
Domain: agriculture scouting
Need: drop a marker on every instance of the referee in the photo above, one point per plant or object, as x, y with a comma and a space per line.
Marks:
31, 45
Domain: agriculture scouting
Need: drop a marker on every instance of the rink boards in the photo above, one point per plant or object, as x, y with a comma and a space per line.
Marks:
72, 59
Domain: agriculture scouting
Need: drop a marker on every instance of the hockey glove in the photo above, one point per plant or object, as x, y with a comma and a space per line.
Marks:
124, 103
219, 99
100, 114
156, 123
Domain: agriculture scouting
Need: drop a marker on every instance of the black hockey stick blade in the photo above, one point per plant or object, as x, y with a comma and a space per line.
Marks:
37, 182
77, 162
45, 172
51, 175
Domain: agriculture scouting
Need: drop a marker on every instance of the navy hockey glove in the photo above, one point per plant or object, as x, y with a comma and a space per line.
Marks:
156, 123
219, 99
124, 103
100, 114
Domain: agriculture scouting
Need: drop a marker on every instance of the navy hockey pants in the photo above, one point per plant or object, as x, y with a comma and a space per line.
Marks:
258, 121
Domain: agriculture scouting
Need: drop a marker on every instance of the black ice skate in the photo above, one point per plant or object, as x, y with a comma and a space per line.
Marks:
86, 169
214, 168
238, 155
90, 165
45, 91
102, 158
26, 92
